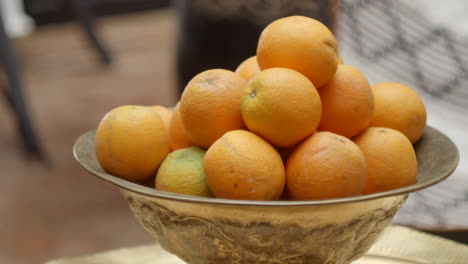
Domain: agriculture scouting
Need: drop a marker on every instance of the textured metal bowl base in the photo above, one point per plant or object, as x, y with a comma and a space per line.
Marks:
212, 234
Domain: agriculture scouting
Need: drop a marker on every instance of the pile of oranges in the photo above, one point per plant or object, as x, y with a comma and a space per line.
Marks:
292, 122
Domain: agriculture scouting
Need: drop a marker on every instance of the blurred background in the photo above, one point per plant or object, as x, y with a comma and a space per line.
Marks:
65, 63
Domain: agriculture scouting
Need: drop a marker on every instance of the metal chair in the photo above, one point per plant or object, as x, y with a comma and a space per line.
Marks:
14, 95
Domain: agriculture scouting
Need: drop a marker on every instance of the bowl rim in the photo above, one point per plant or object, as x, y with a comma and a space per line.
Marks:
152, 192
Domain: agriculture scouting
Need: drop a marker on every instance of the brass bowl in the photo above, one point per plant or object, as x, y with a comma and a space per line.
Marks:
209, 230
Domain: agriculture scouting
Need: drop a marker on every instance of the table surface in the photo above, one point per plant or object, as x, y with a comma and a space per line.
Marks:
397, 245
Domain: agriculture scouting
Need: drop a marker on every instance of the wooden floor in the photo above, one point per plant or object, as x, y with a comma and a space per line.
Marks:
64, 211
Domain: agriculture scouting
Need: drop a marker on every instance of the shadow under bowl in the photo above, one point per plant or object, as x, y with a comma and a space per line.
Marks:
210, 230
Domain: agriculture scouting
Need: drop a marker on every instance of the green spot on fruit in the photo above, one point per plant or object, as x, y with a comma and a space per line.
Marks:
340, 140
253, 94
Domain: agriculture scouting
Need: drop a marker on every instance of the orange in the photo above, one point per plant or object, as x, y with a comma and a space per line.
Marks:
248, 68
282, 106
165, 115
131, 142
182, 172
347, 102
399, 107
302, 44
391, 160
325, 166
210, 107
177, 135
242, 165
